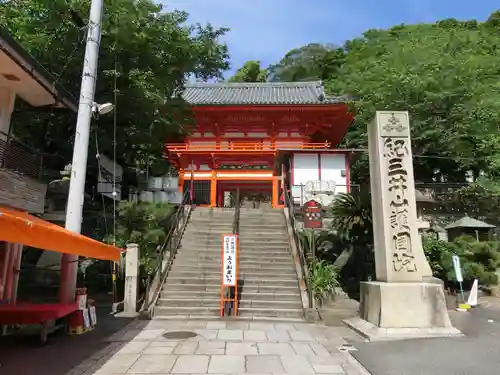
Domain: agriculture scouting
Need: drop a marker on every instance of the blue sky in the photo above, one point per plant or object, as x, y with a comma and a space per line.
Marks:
266, 29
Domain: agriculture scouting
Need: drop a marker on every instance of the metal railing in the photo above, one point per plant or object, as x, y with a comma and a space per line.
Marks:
19, 157
290, 206
236, 220
247, 146
165, 257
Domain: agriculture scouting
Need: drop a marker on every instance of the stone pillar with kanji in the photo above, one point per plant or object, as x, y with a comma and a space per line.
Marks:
405, 300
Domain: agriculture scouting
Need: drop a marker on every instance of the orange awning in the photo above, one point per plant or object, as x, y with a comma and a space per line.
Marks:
20, 227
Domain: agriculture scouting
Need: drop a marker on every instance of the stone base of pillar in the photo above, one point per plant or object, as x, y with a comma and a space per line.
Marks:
390, 311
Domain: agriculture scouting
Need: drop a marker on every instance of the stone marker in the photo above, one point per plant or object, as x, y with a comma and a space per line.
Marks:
405, 301
131, 282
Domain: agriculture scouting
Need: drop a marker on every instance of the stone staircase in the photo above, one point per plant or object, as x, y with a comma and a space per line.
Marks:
268, 280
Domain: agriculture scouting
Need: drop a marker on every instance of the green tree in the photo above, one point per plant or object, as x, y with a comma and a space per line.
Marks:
251, 71
446, 75
145, 50
308, 63
145, 224
479, 260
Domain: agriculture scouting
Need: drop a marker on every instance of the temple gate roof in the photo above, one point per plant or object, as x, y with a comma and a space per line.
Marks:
267, 93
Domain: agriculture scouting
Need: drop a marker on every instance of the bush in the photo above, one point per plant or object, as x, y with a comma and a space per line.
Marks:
478, 260
324, 278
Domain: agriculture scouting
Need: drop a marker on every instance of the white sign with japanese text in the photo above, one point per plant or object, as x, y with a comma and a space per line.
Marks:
229, 259
458, 268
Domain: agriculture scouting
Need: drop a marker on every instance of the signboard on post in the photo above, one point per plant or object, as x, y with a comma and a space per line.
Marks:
109, 173
458, 268
229, 272
458, 275
229, 259
313, 215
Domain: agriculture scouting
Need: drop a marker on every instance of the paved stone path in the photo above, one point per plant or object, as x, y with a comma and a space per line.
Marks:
223, 347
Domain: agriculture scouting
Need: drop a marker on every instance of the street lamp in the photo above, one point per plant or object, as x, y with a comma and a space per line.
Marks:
102, 109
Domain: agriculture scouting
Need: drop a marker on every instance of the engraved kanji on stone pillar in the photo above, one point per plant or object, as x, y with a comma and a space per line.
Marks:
398, 249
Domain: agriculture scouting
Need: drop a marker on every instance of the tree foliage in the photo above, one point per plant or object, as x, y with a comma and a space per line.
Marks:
479, 260
308, 63
251, 71
145, 224
145, 50
445, 75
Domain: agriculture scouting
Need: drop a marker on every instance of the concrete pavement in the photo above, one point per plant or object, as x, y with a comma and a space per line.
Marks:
223, 347
478, 353
23, 355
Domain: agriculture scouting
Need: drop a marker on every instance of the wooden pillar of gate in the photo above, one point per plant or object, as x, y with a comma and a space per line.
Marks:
213, 190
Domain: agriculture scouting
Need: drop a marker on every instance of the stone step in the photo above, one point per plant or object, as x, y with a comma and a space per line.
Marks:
279, 222
278, 282
247, 251
187, 311
214, 212
207, 236
244, 267
211, 221
193, 256
275, 264
245, 257
270, 313
267, 217
215, 302
262, 224
242, 274
260, 211
202, 287
262, 319
215, 311
217, 245
243, 233
196, 294
263, 239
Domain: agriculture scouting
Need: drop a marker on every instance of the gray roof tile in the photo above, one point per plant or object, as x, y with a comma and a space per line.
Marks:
268, 93
469, 222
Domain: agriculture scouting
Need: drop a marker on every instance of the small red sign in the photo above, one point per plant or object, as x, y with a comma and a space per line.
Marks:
312, 215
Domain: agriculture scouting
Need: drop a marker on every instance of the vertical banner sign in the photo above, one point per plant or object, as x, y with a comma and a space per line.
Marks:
458, 268
458, 274
229, 275
229, 260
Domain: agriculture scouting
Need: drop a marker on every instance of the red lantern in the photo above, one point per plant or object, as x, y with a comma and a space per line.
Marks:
312, 215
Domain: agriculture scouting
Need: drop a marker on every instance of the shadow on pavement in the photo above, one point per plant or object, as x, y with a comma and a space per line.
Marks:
478, 353
24, 355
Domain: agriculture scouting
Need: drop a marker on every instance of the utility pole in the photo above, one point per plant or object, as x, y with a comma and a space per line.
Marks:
74, 208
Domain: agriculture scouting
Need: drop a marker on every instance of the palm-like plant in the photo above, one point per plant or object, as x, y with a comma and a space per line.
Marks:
352, 217
324, 279
319, 244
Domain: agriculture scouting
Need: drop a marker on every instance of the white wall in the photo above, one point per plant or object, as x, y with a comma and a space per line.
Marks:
332, 168
321, 185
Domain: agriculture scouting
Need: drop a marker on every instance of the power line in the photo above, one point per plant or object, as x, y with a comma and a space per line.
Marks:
453, 158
